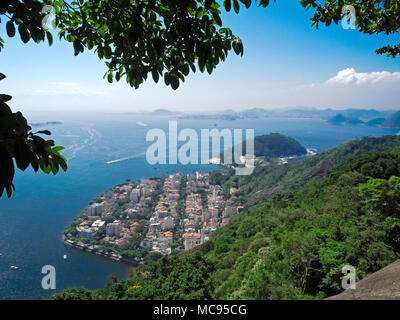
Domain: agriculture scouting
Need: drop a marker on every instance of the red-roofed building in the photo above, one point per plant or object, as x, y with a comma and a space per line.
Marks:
224, 222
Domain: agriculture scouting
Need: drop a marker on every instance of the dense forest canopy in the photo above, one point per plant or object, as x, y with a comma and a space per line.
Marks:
271, 146
277, 145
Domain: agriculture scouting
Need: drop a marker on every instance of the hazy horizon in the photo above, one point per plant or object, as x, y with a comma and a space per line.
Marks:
59, 114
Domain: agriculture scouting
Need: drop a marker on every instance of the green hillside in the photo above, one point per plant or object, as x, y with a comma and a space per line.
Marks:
275, 145
266, 181
339, 207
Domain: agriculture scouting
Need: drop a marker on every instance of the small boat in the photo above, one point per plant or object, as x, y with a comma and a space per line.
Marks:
14, 268
65, 257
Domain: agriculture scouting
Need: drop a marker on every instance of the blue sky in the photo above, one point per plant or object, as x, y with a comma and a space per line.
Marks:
286, 64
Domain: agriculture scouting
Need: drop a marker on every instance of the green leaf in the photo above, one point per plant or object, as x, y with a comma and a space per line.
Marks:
22, 155
264, 3
237, 46
23, 33
247, 3
107, 52
49, 38
227, 5
58, 148
10, 29
156, 75
209, 68
47, 132
54, 166
217, 19
45, 169
77, 48
100, 52
236, 6
110, 77
5, 97
174, 83
167, 78
6, 170
185, 70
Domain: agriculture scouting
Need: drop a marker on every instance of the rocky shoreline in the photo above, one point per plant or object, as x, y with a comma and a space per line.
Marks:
95, 250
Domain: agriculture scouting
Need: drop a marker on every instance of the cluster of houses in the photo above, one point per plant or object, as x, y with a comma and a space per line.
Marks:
204, 216
205, 210
160, 233
121, 230
202, 211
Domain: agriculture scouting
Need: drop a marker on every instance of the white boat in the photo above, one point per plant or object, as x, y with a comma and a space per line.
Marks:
14, 268
65, 257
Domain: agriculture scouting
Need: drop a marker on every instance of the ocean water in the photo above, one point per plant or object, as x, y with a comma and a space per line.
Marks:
32, 221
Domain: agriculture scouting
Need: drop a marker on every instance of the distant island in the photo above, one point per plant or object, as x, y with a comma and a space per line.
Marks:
273, 148
340, 119
40, 124
393, 121
375, 122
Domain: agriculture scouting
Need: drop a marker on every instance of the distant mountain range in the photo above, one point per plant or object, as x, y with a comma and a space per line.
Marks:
354, 116
369, 117
303, 112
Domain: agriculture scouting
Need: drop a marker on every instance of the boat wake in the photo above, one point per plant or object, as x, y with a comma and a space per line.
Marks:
126, 158
312, 151
91, 137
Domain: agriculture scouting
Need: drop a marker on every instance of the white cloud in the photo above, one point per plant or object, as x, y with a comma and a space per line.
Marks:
347, 89
351, 76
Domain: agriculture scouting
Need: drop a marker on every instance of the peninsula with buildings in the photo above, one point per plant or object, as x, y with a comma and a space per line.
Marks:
139, 222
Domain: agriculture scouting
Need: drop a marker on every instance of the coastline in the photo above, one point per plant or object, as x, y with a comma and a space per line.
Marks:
94, 249
261, 161
285, 160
